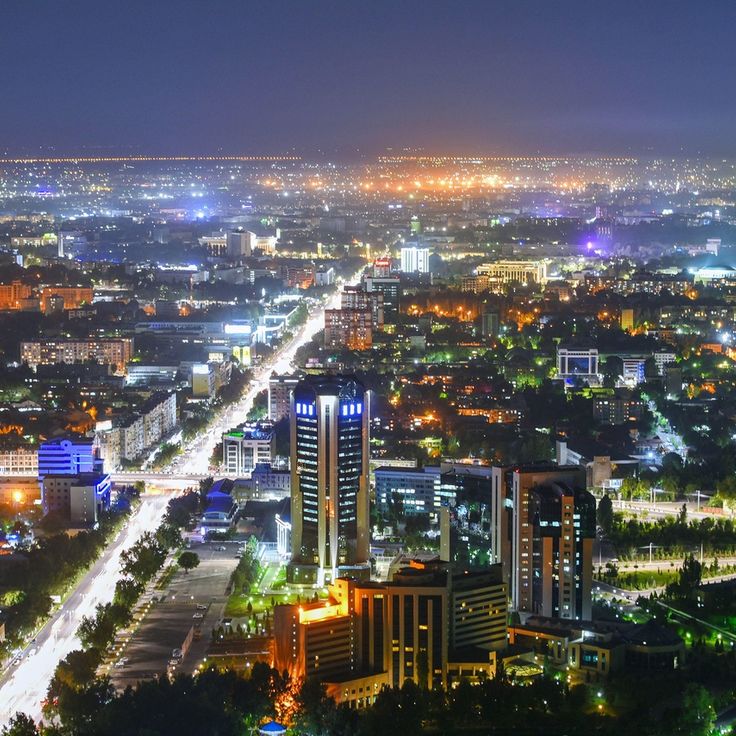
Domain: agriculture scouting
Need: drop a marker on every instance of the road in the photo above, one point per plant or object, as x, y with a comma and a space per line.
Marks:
195, 457
24, 686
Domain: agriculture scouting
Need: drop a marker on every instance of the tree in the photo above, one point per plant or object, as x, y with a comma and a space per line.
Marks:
20, 725
423, 668
188, 561
605, 514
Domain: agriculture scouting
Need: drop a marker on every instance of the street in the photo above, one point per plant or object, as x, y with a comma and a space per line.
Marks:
24, 686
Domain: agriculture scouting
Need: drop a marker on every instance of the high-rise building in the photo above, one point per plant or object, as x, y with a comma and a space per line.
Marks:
414, 259
390, 287
543, 530
279, 395
350, 328
426, 625
240, 244
329, 486
356, 297
490, 324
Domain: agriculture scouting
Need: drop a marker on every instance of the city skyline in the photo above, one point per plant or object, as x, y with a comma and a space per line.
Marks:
282, 77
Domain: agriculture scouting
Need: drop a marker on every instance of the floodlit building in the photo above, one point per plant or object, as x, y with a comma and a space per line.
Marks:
414, 259
67, 457
245, 447
329, 484
524, 272
426, 625
582, 363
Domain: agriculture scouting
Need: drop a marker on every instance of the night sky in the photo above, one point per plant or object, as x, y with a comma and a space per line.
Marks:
198, 76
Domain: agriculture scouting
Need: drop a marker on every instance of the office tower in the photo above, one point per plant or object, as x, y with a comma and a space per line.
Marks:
279, 395
329, 482
543, 530
414, 259
390, 287
245, 447
426, 625
490, 324
240, 244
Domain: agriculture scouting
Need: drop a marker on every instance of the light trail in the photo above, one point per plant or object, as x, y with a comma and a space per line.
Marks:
24, 686
196, 455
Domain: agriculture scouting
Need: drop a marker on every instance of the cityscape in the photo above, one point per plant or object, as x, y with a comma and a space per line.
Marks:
359, 385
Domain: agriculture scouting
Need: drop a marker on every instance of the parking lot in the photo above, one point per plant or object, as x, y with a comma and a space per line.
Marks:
194, 598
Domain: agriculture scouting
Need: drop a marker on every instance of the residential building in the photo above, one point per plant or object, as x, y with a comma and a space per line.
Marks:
357, 298
329, 483
351, 328
13, 295
115, 352
279, 395
72, 296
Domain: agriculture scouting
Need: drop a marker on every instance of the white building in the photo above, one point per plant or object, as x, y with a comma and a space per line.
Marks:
583, 363
245, 447
18, 460
414, 259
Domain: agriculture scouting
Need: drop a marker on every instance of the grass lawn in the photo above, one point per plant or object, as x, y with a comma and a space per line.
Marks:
237, 604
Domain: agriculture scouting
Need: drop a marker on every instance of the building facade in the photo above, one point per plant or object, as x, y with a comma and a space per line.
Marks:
246, 447
115, 352
329, 483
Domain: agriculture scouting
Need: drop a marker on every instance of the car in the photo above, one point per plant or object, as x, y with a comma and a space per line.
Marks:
177, 654
202, 606
199, 614
221, 548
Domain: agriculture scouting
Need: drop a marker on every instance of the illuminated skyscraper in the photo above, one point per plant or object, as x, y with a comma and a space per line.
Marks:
329, 479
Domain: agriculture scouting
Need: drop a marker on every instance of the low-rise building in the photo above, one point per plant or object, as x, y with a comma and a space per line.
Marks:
243, 448
79, 499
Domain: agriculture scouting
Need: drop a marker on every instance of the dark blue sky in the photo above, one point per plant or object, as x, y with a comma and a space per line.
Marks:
196, 76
